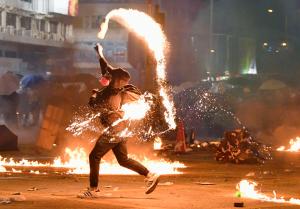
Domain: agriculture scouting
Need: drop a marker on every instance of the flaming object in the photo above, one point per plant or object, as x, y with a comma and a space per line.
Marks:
145, 27
157, 145
135, 110
294, 146
247, 190
77, 163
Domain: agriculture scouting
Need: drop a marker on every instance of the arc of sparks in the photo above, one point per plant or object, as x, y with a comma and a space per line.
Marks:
151, 32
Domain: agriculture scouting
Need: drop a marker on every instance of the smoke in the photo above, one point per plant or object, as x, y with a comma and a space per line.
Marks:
273, 122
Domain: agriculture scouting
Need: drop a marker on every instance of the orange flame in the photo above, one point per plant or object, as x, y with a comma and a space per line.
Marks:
294, 146
77, 163
247, 190
157, 145
150, 31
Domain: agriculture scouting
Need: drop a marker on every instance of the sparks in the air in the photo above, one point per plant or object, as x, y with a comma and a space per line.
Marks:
151, 32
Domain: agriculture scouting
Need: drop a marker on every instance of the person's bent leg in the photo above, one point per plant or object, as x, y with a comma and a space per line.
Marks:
152, 179
120, 151
100, 149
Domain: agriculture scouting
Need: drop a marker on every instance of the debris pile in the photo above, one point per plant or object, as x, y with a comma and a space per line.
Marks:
239, 147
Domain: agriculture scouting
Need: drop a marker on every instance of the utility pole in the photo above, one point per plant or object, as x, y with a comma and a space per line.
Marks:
148, 82
211, 50
153, 11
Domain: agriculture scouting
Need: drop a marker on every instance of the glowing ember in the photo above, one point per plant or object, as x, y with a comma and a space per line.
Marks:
2, 169
157, 143
150, 31
247, 190
77, 163
294, 146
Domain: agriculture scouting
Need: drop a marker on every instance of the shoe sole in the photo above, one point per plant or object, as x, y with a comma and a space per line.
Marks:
153, 186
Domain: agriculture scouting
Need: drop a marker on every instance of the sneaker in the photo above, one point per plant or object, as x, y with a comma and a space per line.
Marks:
152, 180
89, 193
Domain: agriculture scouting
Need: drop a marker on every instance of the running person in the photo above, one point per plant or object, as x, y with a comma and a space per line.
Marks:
109, 101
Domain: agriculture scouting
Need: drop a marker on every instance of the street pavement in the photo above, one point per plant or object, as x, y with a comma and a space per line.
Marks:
185, 191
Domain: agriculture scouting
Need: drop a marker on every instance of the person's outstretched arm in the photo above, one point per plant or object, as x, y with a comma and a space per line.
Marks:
105, 67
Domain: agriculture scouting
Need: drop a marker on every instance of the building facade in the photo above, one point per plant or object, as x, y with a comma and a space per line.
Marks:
34, 34
115, 44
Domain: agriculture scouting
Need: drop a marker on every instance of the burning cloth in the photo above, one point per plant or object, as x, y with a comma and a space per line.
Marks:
239, 147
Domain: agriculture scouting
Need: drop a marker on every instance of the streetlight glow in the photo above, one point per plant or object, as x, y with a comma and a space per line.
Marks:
270, 10
284, 44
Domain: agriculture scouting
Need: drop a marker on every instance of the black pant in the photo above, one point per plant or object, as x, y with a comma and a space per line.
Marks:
120, 151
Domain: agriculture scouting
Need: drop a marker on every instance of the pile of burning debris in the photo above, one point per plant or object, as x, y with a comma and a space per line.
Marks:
239, 147
236, 146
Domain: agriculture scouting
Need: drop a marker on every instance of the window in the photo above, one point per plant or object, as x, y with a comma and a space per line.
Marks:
26, 23
87, 22
92, 22
1, 53
53, 27
41, 25
11, 19
29, 1
96, 20
11, 54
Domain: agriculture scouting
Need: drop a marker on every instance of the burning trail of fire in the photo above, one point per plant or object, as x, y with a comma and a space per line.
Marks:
150, 31
77, 163
294, 146
247, 190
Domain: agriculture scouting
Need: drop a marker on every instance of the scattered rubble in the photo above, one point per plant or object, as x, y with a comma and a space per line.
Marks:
250, 174
15, 197
168, 183
4, 202
32, 189
204, 183
108, 187
239, 147
238, 204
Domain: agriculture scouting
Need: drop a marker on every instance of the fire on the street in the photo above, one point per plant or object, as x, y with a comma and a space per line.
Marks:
248, 190
157, 145
77, 163
294, 146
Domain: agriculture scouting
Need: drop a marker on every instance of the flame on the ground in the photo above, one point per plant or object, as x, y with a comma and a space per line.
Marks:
151, 32
247, 190
294, 146
77, 163
157, 145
